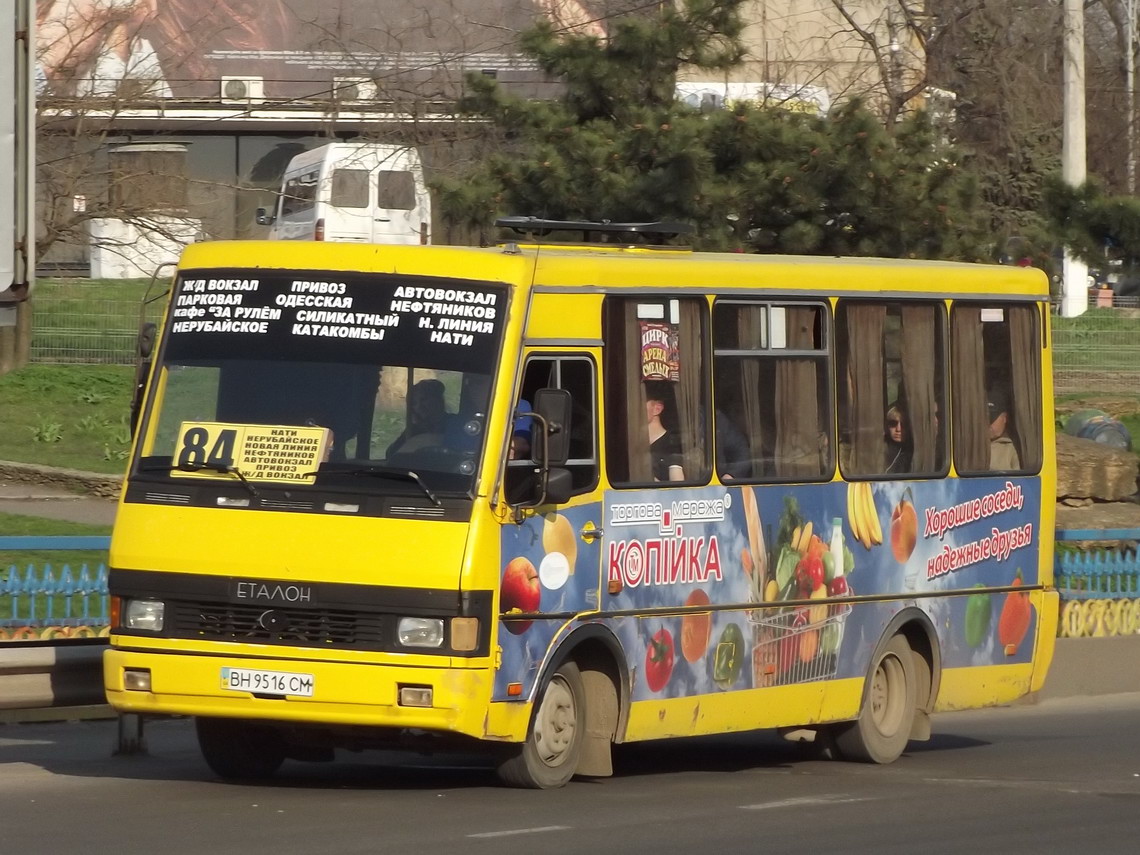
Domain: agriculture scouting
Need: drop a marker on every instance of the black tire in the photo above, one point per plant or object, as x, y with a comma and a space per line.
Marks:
549, 756
881, 732
240, 751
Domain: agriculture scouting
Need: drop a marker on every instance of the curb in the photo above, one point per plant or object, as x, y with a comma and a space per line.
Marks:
1093, 666
94, 483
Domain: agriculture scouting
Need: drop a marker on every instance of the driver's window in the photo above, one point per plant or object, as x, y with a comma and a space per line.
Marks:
575, 374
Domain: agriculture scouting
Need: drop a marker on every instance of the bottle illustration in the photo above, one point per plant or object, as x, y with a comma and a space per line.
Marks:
837, 584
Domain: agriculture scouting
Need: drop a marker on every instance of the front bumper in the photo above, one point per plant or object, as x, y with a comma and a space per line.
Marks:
343, 693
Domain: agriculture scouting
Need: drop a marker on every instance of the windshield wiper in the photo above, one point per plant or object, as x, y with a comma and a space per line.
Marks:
392, 472
220, 468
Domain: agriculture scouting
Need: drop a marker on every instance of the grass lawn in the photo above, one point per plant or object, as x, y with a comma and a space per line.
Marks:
71, 416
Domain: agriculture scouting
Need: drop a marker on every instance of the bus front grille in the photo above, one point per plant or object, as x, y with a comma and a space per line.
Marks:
256, 624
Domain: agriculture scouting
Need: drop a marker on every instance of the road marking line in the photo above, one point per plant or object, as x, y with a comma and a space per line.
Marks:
806, 800
515, 831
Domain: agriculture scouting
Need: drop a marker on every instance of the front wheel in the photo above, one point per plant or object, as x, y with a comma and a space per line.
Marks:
549, 756
881, 732
238, 750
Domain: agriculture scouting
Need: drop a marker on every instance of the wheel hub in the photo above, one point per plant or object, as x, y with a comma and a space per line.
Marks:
555, 725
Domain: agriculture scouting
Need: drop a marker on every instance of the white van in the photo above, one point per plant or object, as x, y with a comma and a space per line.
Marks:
355, 192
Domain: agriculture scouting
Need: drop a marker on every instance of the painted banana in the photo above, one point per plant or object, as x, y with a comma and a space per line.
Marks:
871, 514
805, 538
854, 514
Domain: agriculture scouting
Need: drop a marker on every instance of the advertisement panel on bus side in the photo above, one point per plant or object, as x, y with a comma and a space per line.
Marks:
786, 573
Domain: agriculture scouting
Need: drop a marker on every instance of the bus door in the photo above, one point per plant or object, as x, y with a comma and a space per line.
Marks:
551, 557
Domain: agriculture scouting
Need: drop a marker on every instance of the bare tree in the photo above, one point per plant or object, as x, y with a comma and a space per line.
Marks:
901, 36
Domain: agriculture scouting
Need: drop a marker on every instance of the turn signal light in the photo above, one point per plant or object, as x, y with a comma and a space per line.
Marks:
464, 633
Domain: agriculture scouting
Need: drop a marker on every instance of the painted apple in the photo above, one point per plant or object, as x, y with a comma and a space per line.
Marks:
904, 530
519, 591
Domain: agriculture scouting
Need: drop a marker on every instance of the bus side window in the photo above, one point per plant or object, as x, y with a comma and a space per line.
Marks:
657, 402
772, 409
577, 375
996, 354
891, 360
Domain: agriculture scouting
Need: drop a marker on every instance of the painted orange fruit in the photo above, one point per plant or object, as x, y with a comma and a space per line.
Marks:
696, 628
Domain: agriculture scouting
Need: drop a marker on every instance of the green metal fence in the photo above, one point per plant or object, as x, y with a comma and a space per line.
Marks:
1099, 351
89, 321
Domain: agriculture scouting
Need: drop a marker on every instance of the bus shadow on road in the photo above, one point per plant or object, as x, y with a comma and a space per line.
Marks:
86, 750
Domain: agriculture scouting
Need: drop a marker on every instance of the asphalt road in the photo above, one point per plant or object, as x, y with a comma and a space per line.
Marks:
1059, 776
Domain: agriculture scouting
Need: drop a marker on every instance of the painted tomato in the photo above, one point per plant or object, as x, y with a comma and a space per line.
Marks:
659, 660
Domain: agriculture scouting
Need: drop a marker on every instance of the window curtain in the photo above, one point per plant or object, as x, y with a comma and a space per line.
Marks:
750, 321
919, 347
690, 413
865, 372
1025, 359
968, 370
797, 403
637, 434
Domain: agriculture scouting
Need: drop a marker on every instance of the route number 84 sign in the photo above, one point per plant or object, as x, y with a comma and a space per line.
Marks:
258, 452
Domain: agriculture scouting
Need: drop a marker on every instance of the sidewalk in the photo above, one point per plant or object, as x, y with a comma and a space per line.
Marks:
35, 500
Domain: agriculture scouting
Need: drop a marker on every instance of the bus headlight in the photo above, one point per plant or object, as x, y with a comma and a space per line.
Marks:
420, 632
146, 615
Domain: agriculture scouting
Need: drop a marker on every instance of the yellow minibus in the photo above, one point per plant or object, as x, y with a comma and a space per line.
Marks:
555, 495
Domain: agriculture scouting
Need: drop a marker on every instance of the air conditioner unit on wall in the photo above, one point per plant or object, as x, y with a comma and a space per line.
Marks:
242, 90
354, 89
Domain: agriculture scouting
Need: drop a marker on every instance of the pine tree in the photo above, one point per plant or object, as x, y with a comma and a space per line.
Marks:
619, 145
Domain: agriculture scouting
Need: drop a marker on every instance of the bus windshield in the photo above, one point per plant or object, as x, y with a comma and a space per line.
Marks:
307, 377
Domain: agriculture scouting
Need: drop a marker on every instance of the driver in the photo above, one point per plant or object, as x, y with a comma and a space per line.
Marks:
427, 419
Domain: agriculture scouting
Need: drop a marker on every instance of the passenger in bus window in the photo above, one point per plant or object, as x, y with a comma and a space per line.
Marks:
664, 444
1003, 453
898, 455
733, 455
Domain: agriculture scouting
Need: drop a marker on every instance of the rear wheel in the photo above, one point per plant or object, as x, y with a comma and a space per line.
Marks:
239, 750
549, 756
881, 732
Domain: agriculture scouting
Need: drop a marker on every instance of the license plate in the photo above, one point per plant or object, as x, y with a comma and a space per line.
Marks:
267, 682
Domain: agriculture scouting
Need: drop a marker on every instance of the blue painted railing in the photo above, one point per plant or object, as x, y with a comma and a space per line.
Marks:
1099, 587
45, 597
1102, 573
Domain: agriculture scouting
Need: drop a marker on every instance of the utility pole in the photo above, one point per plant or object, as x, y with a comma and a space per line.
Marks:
1074, 272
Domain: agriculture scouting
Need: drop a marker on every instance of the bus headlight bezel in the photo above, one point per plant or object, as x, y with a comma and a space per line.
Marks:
144, 615
420, 632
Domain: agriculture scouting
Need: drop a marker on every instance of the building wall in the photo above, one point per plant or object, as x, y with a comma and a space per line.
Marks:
809, 47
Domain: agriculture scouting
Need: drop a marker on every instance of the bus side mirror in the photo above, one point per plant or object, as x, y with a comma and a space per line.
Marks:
552, 437
264, 218
147, 333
